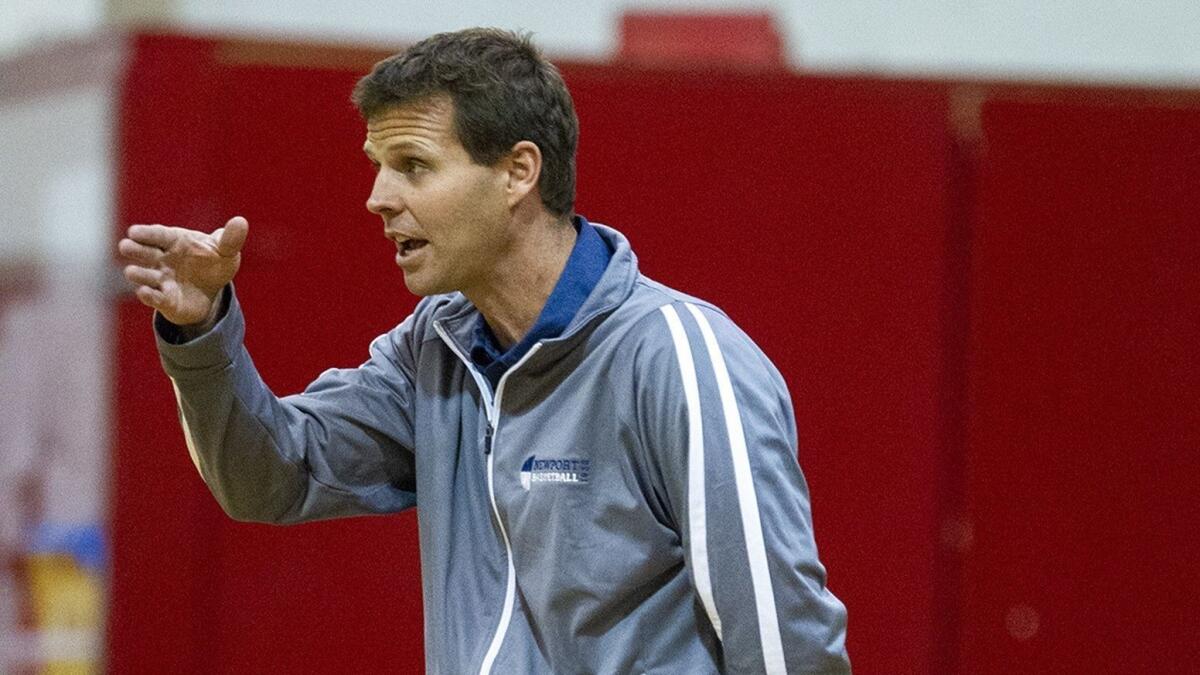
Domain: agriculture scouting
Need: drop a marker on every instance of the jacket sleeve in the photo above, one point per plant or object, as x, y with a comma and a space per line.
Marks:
717, 422
343, 447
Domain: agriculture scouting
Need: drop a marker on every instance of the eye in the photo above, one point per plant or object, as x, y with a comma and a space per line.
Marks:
414, 166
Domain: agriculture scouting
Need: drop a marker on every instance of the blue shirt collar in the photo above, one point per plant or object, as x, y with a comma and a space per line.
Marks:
586, 264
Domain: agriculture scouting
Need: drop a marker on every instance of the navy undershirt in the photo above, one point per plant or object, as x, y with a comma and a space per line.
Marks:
586, 264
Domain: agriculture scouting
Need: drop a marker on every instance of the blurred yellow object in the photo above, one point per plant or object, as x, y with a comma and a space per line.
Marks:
67, 603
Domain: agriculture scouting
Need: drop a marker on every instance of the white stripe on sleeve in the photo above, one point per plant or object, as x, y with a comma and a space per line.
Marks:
697, 519
187, 430
760, 574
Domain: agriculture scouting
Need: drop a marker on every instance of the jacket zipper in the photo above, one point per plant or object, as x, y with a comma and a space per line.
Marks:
491, 407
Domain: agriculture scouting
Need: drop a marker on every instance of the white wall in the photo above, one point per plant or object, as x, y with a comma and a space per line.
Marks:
56, 225
27, 22
56, 184
1150, 40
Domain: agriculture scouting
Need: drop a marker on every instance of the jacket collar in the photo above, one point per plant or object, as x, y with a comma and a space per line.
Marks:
458, 316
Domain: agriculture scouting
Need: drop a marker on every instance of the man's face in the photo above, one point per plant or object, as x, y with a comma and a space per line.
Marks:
448, 216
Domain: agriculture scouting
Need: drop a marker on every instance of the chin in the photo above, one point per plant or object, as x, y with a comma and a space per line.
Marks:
426, 287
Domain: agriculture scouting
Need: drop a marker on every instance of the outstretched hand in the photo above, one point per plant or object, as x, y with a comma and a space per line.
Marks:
181, 272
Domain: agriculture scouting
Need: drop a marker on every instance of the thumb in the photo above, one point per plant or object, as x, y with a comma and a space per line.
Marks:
233, 236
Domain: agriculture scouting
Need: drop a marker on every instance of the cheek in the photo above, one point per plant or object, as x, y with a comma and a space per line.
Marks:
480, 209
464, 214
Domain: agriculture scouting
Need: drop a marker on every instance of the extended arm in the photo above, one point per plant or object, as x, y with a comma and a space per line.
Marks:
343, 447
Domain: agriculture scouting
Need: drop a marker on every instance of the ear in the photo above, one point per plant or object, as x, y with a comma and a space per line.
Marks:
524, 165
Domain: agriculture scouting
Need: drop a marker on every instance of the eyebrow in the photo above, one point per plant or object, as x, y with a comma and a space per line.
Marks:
399, 145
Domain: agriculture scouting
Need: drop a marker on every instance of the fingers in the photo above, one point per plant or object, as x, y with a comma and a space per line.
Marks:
158, 236
143, 239
232, 237
147, 285
134, 252
143, 276
151, 297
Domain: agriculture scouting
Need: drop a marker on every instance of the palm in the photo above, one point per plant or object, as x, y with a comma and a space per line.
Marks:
194, 272
181, 272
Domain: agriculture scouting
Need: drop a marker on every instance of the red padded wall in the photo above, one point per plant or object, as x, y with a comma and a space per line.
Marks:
1084, 418
163, 525
888, 269
1007, 327
811, 209
204, 137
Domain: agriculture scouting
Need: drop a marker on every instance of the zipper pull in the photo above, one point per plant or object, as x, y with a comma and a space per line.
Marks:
487, 439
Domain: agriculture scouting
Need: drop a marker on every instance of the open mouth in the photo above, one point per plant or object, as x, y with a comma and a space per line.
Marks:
409, 245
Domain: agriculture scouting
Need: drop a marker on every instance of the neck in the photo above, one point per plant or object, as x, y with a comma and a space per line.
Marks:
523, 280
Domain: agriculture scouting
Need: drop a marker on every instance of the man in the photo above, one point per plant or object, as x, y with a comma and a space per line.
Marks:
606, 468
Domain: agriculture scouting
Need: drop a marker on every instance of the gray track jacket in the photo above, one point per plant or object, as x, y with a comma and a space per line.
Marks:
627, 500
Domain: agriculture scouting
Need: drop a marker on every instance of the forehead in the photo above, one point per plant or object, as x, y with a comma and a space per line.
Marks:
426, 122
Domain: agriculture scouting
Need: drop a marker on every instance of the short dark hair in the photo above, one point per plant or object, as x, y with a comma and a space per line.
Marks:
504, 91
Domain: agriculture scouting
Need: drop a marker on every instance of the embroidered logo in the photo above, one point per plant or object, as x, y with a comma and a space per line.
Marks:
566, 470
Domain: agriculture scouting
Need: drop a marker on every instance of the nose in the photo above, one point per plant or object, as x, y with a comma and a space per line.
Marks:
385, 198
